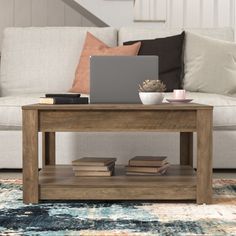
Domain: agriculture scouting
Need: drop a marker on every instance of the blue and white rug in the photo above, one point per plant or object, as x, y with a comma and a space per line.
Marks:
117, 218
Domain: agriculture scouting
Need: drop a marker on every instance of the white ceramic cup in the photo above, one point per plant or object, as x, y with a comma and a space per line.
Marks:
179, 94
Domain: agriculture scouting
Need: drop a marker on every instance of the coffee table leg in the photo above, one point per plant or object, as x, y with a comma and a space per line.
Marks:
204, 156
186, 148
30, 156
49, 140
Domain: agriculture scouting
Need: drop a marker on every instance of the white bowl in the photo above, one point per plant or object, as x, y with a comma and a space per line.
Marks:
151, 98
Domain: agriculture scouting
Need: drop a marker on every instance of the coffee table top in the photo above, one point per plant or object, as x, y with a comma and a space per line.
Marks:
163, 106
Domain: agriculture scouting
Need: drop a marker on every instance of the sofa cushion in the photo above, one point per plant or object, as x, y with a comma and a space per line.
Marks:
95, 47
10, 110
224, 113
224, 109
38, 60
134, 33
209, 65
170, 51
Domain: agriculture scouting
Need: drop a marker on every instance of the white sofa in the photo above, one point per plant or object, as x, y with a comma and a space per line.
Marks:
39, 60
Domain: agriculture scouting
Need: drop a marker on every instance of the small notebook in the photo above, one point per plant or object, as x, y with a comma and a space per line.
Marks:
63, 100
94, 168
148, 161
94, 161
93, 173
64, 95
145, 169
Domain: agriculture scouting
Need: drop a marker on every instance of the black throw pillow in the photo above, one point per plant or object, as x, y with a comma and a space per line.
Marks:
170, 51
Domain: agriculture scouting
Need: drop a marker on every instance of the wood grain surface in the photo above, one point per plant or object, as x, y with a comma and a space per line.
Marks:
204, 156
163, 106
186, 148
49, 148
30, 156
136, 120
60, 183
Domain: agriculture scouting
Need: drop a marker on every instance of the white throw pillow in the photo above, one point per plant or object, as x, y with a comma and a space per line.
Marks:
210, 65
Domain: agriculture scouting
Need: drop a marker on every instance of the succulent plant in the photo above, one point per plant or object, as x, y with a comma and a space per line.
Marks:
152, 86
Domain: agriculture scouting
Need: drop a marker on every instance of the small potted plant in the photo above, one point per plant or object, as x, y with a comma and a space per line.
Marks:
151, 92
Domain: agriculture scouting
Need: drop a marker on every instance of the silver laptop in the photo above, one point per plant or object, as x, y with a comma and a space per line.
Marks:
115, 79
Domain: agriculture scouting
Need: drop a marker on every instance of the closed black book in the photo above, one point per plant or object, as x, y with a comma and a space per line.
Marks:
66, 95
63, 100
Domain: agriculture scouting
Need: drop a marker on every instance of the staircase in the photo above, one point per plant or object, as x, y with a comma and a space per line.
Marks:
115, 13
158, 13
105, 12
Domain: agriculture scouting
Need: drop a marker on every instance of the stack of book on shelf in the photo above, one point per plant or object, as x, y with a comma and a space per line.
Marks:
94, 166
63, 98
147, 165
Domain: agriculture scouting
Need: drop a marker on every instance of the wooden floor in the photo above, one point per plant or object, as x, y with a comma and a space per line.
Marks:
59, 182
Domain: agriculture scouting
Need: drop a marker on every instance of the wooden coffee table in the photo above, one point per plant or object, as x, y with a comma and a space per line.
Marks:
55, 182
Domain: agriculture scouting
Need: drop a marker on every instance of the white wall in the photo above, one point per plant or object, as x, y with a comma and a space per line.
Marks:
39, 13
201, 13
180, 13
117, 13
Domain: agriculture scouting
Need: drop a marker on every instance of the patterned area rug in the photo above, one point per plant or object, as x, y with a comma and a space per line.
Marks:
117, 218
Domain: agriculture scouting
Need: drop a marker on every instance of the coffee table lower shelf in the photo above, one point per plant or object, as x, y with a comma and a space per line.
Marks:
59, 183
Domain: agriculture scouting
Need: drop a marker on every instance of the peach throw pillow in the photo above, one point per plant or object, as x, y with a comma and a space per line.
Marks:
95, 47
